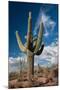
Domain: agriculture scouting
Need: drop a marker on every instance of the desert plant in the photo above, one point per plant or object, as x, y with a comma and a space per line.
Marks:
20, 70
33, 47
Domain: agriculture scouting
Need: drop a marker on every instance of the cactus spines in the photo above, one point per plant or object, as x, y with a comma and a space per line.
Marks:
34, 47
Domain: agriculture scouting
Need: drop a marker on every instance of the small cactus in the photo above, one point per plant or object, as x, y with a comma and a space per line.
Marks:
20, 70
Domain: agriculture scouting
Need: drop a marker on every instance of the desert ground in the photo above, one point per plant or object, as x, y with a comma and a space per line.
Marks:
43, 76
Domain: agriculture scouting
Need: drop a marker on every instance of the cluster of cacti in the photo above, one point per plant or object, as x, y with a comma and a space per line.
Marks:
33, 47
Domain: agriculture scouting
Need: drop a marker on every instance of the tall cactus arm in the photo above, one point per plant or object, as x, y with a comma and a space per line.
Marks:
21, 46
29, 33
39, 39
40, 50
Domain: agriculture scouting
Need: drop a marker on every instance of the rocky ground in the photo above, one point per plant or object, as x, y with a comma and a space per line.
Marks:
42, 77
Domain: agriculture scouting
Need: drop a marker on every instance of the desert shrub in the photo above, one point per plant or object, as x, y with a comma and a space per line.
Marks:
13, 75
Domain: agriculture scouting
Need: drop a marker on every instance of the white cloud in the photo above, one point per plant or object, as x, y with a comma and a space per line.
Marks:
49, 56
51, 50
13, 60
46, 33
50, 53
14, 63
49, 24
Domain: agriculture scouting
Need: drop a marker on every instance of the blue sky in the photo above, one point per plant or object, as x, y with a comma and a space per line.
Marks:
18, 20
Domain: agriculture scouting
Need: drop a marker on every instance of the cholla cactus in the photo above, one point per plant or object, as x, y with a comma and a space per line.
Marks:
33, 47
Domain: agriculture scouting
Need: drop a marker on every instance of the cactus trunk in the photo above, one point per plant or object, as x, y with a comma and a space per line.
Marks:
30, 61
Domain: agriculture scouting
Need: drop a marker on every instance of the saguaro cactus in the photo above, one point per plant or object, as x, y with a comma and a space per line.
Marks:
33, 47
